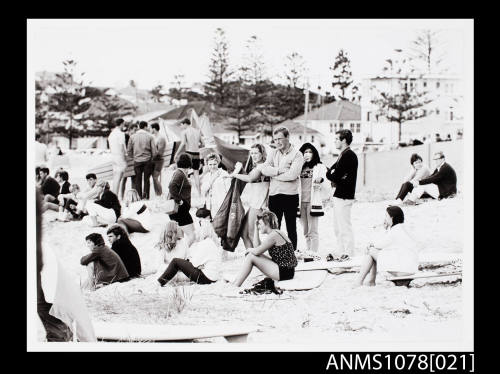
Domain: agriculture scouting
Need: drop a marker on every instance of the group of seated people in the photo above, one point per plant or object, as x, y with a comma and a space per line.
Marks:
199, 257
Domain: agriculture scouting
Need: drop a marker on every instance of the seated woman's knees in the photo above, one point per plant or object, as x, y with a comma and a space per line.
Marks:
373, 252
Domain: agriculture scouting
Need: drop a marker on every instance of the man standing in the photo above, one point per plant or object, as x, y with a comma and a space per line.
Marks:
158, 161
441, 184
284, 165
41, 156
141, 147
343, 175
191, 141
116, 140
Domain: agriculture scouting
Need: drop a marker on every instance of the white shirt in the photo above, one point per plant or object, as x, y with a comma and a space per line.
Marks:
206, 256
399, 252
116, 141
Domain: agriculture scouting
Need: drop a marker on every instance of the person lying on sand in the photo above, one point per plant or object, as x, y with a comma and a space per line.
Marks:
135, 216
104, 266
395, 253
203, 263
281, 265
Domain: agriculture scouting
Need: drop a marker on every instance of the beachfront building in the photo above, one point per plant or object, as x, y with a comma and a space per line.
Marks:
329, 118
443, 115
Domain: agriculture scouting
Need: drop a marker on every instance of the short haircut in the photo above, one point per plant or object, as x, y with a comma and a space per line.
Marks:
74, 187
143, 124
45, 170
396, 213
95, 238
63, 174
37, 170
269, 219
283, 130
439, 153
213, 156
117, 230
91, 176
414, 157
155, 126
186, 121
345, 134
184, 161
119, 121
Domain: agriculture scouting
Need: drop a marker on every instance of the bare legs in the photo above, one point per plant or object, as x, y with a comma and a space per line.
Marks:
369, 265
250, 233
117, 178
263, 263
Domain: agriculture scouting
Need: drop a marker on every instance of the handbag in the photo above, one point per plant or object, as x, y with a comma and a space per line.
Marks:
203, 212
171, 206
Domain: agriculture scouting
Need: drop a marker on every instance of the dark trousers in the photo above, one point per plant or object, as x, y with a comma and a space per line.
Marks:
143, 168
286, 205
55, 329
405, 189
194, 274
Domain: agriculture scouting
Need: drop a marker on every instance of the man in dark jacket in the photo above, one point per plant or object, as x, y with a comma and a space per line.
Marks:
49, 186
343, 174
441, 184
104, 265
121, 244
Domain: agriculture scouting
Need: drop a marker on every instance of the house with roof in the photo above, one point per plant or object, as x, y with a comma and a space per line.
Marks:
328, 119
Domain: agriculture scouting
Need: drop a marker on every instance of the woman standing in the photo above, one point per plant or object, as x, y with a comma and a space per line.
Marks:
179, 190
395, 253
312, 180
281, 265
214, 186
255, 193
136, 216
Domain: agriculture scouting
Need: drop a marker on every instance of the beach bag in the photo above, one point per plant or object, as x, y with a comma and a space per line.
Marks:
171, 206
203, 212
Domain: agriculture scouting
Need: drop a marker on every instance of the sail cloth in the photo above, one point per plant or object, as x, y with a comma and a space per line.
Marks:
228, 221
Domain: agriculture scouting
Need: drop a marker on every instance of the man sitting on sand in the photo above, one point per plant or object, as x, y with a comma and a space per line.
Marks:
49, 186
441, 184
121, 244
395, 253
104, 266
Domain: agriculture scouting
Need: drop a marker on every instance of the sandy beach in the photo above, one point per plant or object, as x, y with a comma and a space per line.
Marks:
430, 309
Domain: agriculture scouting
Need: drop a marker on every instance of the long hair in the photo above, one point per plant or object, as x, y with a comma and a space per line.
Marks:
269, 218
315, 159
262, 149
172, 227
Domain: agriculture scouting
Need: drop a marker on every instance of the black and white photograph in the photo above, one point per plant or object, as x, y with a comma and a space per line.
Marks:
250, 185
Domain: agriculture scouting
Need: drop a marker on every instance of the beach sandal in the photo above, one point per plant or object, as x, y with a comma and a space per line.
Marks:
342, 258
265, 286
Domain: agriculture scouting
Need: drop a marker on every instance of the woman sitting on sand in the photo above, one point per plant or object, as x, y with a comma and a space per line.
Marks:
68, 204
104, 266
121, 244
204, 260
135, 215
171, 245
395, 253
281, 265
418, 171
105, 210
255, 193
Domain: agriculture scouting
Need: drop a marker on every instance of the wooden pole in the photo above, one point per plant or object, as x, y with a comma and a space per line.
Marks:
306, 107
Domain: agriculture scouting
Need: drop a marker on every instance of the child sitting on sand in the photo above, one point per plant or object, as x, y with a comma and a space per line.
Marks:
104, 266
204, 260
395, 253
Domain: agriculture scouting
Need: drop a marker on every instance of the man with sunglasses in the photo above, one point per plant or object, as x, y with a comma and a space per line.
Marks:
441, 184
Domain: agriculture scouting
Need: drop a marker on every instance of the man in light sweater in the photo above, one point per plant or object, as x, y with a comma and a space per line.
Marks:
141, 147
159, 160
284, 165
116, 141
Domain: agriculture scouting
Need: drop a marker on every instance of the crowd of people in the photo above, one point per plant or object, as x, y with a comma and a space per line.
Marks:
281, 182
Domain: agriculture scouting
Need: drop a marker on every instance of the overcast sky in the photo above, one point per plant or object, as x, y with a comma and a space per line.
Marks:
112, 52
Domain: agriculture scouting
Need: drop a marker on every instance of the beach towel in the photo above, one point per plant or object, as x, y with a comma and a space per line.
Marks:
228, 220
